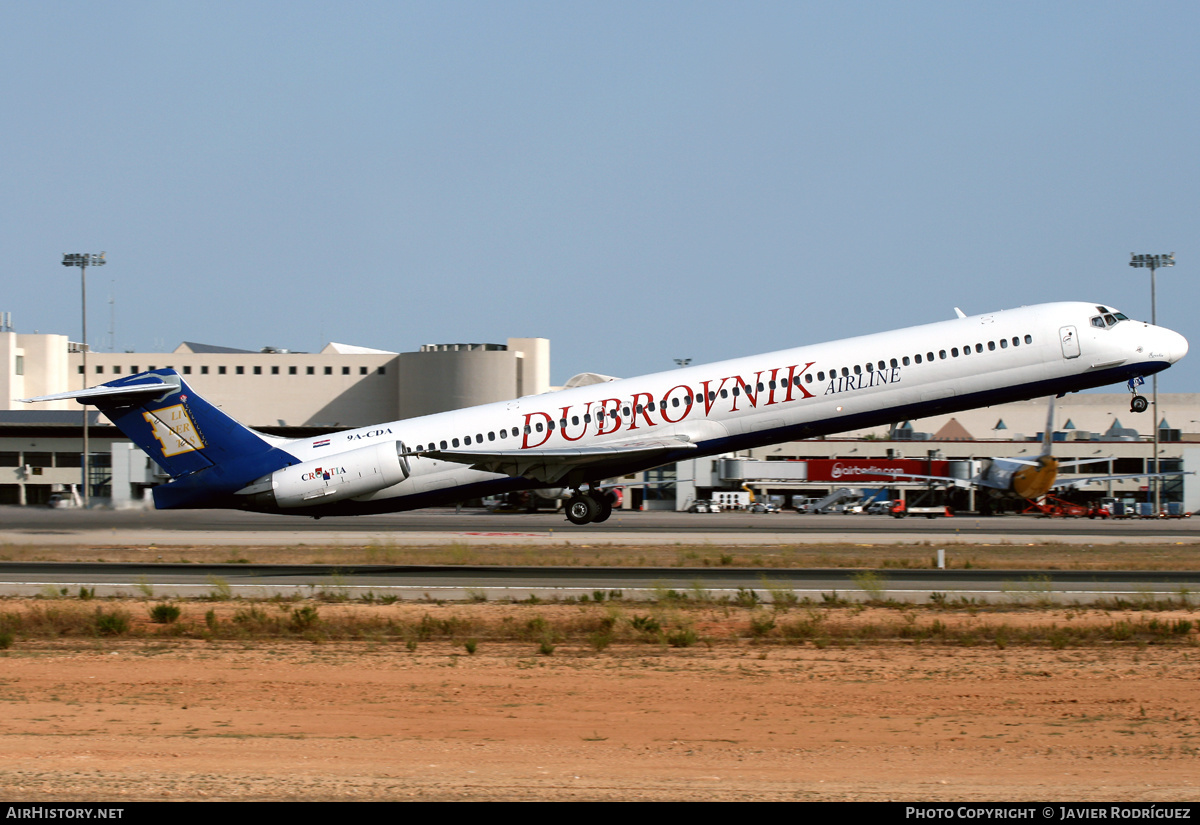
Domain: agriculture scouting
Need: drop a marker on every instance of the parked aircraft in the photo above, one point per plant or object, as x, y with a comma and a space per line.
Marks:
577, 438
1032, 478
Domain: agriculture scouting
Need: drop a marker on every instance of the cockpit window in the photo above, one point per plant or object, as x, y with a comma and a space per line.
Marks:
1110, 320
1097, 322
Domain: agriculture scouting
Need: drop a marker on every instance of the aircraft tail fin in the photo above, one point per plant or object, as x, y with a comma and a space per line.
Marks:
1048, 433
176, 427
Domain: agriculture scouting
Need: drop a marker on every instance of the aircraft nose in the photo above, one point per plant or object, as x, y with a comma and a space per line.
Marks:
1175, 344
1179, 349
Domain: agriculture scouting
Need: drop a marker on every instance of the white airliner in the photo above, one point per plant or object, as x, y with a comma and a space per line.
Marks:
577, 438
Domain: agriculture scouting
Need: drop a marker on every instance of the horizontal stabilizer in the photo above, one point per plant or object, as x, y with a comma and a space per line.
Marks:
102, 394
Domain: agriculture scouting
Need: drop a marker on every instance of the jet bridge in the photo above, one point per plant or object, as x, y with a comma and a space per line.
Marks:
739, 470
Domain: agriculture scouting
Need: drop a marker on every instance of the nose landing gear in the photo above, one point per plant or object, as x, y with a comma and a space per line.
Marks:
1138, 403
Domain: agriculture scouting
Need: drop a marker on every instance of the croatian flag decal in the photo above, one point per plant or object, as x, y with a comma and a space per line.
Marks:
324, 442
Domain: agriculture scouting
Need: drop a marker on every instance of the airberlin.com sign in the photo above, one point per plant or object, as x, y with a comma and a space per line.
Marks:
872, 469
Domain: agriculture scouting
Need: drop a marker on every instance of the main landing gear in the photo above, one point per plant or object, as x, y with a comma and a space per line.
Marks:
591, 507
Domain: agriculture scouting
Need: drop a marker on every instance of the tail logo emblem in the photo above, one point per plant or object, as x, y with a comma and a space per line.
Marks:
174, 430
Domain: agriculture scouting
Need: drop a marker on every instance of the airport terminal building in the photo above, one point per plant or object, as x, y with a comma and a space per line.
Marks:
343, 386
273, 390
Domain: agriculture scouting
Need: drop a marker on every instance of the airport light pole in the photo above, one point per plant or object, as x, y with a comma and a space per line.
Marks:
83, 260
1153, 263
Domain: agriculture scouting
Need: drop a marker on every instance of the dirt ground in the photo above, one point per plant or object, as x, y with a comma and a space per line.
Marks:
730, 719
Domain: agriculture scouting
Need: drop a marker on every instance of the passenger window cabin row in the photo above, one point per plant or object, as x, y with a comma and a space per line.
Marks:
688, 400
919, 358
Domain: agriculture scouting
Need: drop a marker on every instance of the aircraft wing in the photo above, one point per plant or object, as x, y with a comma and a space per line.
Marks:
964, 483
1076, 483
1062, 465
549, 466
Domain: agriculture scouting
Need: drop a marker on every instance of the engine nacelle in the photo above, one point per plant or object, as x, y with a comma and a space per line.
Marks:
339, 476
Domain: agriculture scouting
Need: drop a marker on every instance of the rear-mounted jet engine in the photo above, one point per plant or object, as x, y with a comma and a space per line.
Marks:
337, 477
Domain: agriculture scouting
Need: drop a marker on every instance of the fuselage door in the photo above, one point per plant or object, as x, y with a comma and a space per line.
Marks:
1070, 342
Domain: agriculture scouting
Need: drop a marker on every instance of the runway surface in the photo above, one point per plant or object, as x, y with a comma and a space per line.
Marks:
100, 528
456, 583
32, 525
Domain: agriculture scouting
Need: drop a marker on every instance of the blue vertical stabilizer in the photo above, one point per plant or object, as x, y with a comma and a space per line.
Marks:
208, 455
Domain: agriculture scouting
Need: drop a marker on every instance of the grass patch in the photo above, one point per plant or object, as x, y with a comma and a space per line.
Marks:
1134, 555
871, 583
114, 622
597, 626
164, 613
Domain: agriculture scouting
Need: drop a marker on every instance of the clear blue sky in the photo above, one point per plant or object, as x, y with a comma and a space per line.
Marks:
637, 182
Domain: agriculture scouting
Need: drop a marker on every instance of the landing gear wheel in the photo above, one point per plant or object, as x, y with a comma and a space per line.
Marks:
604, 502
582, 509
1138, 404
